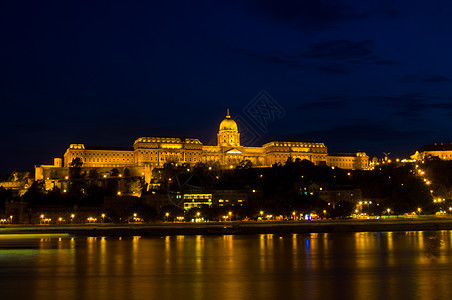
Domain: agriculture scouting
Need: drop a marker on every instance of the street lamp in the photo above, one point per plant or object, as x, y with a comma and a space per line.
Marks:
419, 210
167, 215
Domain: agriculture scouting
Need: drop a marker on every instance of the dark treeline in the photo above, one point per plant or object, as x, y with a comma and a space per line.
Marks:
279, 190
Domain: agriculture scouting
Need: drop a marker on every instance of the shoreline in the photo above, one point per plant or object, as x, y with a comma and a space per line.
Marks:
231, 228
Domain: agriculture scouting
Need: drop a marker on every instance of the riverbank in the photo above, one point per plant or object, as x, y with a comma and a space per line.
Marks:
236, 228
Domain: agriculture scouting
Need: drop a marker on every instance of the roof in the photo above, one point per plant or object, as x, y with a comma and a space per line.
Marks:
342, 154
109, 148
157, 139
436, 147
294, 144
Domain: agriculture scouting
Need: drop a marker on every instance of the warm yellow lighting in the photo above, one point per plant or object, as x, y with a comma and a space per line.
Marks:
103, 215
66, 177
119, 193
72, 216
170, 146
261, 212
41, 216
167, 214
135, 215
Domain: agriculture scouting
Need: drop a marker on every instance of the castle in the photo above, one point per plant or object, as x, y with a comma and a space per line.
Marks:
148, 153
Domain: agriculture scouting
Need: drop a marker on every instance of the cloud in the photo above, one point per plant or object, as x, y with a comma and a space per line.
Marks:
412, 105
275, 57
340, 50
326, 102
336, 56
360, 131
425, 78
343, 56
309, 15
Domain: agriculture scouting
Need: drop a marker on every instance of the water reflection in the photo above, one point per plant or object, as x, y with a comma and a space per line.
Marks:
386, 265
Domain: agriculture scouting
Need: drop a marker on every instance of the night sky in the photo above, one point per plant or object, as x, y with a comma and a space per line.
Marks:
374, 76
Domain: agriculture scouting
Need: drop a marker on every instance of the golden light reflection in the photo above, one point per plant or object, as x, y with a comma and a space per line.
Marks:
254, 267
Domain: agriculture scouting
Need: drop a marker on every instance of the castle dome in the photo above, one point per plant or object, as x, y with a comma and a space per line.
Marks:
228, 124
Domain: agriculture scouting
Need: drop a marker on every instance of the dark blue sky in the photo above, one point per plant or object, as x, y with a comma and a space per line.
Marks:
357, 76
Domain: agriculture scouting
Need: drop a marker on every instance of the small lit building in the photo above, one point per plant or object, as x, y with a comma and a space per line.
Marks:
350, 161
197, 200
319, 189
441, 151
226, 198
348, 194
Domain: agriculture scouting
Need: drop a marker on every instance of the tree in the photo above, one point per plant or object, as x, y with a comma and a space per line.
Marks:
93, 174
75, 168
75, 177
114, 172
35, 194
343, 209
245, 164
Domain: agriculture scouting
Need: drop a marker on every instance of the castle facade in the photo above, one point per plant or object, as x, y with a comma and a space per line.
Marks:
148, 153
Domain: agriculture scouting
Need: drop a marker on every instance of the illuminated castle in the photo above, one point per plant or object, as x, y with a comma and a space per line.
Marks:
148, 153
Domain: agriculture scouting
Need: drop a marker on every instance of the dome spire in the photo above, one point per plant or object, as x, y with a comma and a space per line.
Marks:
227, 115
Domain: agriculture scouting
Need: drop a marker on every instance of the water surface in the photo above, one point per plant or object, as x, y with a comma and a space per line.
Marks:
389, 265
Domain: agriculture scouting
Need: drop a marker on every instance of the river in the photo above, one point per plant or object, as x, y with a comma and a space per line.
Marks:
363, 265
